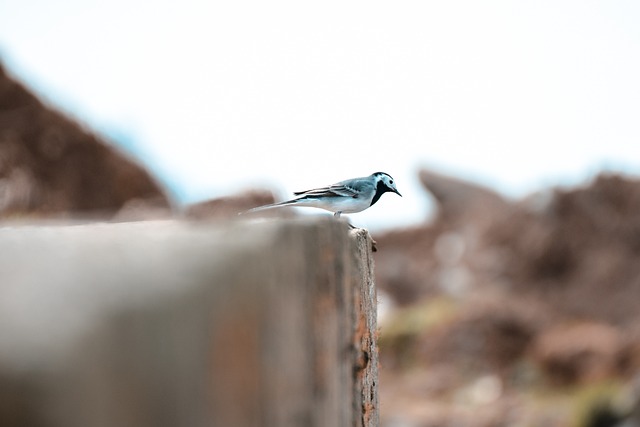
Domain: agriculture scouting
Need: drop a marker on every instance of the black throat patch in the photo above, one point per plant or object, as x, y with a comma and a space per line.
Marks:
380, 190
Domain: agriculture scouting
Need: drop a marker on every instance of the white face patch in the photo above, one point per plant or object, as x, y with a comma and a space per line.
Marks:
388, 182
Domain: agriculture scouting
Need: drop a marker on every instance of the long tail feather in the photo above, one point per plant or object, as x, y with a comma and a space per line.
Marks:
266, 207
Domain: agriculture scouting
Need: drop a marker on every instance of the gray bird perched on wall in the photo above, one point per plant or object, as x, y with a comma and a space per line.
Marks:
349, 196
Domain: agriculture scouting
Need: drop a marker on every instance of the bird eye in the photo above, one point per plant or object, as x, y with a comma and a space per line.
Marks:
391, 182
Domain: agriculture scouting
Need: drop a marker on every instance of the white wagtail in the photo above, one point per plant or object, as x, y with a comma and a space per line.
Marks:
349, 196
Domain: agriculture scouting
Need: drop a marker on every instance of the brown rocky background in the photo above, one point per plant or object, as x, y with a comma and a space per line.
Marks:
52, 167
495, 313
514, 312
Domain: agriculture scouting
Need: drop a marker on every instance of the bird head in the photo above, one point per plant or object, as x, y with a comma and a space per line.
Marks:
386, 183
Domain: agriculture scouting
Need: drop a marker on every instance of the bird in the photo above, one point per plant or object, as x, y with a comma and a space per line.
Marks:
348, 196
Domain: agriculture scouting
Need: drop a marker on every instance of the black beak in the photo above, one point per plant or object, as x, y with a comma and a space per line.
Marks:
397, 192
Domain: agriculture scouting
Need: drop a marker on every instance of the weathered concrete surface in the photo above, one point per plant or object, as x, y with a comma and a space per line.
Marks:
366, 383
175, 324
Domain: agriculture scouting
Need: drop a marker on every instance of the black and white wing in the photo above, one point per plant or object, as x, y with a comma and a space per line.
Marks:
349, 188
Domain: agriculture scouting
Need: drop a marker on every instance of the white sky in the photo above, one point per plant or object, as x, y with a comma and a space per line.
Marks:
221, 96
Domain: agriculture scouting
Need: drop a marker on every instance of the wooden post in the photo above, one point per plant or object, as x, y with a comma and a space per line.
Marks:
177, 324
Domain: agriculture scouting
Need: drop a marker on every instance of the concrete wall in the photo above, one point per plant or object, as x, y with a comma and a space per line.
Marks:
176, 324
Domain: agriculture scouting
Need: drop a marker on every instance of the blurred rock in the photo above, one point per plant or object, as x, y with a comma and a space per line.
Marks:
229, 207
447, 254
462, 201
580, 253
144, 210
490, 333
577, 251
579, 353
543, 292
52, 167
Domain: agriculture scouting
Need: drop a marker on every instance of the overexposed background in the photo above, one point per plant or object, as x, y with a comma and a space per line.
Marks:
216, 97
